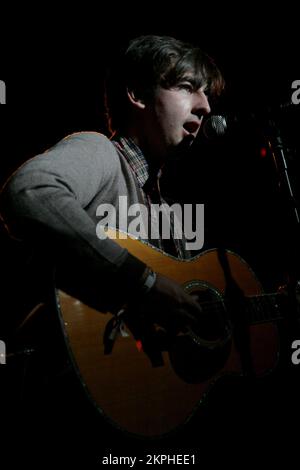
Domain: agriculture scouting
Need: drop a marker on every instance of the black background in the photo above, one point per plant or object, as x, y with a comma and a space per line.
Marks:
53, 65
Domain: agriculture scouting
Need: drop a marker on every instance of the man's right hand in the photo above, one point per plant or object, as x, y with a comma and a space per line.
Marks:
168, 305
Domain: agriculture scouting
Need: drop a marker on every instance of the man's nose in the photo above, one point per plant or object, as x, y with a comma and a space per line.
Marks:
201, 104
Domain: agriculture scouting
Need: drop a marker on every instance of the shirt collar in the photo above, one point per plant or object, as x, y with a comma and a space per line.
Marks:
134, 157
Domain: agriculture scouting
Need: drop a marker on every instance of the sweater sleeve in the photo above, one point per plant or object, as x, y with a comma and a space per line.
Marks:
44, 203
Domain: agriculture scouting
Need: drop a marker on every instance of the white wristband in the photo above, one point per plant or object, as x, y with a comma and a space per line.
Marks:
149, 282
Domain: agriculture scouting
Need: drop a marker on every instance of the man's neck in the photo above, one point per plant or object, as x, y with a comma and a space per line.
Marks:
152, 155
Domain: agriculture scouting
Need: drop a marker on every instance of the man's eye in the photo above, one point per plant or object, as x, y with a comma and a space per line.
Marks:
186, 86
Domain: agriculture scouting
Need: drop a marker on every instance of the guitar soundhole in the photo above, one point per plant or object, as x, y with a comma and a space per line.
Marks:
213, 322
192, 359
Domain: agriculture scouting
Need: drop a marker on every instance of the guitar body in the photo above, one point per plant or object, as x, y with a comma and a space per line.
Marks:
137, 397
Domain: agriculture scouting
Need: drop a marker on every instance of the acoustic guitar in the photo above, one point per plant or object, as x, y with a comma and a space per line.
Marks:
150, 400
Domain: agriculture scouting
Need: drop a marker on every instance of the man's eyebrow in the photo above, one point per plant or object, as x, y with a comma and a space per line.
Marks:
189, 78
195, 81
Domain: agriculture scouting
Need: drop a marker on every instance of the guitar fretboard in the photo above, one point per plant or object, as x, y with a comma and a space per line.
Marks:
259, 308
264, 308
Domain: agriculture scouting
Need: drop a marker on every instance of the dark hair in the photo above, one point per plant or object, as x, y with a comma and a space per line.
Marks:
152, 61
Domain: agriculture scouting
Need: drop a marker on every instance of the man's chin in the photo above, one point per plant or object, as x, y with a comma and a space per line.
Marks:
180, 148
189, 139
186, 142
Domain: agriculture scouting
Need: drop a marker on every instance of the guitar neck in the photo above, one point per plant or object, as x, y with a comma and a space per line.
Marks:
264, 308
261, 308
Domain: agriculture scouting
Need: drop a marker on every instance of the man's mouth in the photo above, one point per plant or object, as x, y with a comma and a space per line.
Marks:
191, 127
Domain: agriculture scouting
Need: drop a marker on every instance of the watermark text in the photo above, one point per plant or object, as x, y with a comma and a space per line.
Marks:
296, 354
159, 221
296, 94
2, 92
2, 352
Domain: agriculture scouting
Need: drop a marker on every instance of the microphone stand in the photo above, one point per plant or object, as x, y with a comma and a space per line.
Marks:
278, 153
292, 239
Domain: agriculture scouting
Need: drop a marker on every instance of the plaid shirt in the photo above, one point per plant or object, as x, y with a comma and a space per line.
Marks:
151, 192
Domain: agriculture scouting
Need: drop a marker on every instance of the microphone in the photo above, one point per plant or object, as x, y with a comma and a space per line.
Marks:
215, 126
219, 125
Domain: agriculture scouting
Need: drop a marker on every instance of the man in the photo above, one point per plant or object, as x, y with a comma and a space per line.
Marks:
156, 97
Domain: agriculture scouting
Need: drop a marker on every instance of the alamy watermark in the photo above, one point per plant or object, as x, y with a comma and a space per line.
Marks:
2, 92
296, 94
2, 352
159, 221
296, 354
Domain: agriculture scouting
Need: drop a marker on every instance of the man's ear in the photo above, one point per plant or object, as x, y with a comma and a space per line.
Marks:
137, 101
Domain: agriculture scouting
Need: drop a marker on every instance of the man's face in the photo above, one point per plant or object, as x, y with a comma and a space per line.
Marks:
174, 117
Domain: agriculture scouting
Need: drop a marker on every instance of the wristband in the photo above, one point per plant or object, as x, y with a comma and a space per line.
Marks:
148, 281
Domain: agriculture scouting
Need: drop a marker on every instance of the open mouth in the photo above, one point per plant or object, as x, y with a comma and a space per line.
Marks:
191, 127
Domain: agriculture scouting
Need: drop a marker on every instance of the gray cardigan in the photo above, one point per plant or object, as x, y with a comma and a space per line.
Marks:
51, 201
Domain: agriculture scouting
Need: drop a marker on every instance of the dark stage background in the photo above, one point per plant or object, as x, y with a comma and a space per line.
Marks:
53, 70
